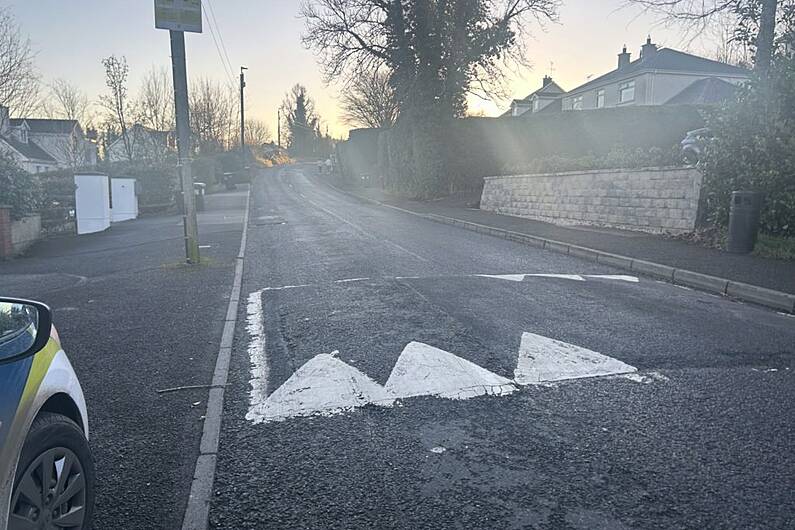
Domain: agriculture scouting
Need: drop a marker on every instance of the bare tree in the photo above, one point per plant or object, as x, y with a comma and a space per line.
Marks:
66, 101
724, 46
116, 71
19, 81
697, 15
463, 45
369, 100
257, 132
154, 107
211, 112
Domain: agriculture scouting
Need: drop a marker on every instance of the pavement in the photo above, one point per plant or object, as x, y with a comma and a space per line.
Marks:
394, 372
749, 269
134, 320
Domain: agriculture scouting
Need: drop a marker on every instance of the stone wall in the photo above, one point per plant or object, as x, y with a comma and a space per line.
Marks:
17, 236
661, 199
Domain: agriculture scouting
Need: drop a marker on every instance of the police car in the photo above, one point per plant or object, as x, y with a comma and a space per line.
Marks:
46, 467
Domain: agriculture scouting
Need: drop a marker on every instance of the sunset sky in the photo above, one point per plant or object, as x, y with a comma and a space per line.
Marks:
264, 35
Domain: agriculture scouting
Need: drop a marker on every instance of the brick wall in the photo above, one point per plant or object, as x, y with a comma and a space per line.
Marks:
650, 199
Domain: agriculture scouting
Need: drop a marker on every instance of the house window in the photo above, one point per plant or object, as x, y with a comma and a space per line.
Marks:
576, 103
600, 98
535, 105
38, 169
626, 92
23, 136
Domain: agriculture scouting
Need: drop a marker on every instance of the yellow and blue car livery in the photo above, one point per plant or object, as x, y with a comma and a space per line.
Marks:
42, 381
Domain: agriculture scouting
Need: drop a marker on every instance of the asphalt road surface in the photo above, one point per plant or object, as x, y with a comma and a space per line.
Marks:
392, 372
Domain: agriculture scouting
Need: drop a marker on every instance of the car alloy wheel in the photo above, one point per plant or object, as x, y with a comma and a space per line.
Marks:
51, 493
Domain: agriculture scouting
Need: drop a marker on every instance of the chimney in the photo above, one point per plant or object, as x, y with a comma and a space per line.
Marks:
547, 80
623, 58
648, 50
4, 123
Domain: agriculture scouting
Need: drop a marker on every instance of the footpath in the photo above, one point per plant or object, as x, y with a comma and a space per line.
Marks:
142, 330
747, 278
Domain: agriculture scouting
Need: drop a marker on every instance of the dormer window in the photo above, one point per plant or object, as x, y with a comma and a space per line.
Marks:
535, 105
23, 136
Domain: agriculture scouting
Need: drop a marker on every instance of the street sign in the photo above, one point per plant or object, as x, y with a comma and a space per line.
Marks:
179, 15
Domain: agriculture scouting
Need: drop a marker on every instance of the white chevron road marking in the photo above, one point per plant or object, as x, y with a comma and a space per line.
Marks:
542, 359
422, 370
325, 385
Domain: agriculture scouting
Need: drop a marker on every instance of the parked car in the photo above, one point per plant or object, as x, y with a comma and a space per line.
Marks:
46, 467
693, 144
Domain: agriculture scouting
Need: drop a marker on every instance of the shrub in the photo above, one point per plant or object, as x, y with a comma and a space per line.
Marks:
58, 200
157, 180
18, 189
616, 158
753, 149
206, 169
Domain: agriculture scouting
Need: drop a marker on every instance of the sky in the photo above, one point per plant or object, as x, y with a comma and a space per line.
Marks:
71, 37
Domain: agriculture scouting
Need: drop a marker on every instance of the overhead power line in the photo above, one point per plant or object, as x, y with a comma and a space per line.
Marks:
224, 63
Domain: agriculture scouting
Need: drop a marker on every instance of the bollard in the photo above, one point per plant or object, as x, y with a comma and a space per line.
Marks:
198, 192
746, 207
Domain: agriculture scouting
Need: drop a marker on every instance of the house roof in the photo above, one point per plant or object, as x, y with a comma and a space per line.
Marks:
29, 150
38, 125
552, 107
668, 60
704, 92
550, 89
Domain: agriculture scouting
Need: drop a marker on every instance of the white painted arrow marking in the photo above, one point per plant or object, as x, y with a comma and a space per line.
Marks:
542, 359
619, 277
508, 277
422, 370
323, 385
575, 277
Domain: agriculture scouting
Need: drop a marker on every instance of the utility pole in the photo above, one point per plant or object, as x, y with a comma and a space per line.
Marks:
242, 116
191, 228
279, 127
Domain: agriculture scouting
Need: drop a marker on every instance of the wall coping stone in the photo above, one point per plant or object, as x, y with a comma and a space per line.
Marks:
649, 169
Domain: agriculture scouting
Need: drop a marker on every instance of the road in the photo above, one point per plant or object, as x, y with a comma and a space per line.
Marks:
391, 372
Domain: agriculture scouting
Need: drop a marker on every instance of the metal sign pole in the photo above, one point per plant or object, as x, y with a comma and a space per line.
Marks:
191, 228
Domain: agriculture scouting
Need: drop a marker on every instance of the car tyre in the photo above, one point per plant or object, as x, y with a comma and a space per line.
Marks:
64, 496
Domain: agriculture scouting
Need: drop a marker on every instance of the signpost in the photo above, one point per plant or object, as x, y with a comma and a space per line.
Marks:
179, 16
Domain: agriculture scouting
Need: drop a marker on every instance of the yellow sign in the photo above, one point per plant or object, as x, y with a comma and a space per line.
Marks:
179, 15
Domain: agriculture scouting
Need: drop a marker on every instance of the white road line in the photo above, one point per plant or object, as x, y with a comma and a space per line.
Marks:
618, 277
255, 326
508, 277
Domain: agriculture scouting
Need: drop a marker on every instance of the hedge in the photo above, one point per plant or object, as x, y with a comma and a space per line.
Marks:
480, 147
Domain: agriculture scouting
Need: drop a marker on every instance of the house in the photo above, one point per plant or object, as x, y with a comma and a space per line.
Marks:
549, 94
40, 145
143, 144
658, 77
